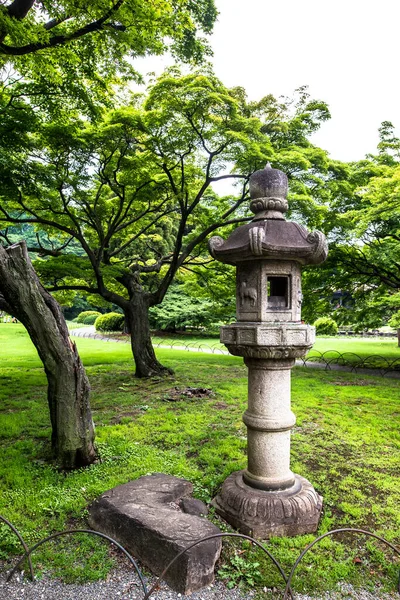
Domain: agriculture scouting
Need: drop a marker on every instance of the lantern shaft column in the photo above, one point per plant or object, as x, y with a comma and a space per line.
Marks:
269, 420
267, 499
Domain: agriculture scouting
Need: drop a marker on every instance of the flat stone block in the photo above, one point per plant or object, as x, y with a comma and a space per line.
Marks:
147, 517
262, 514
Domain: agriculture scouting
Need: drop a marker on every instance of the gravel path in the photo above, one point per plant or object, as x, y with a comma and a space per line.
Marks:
123, 584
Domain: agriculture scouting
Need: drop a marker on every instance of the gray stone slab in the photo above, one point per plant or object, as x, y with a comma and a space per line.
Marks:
147, 517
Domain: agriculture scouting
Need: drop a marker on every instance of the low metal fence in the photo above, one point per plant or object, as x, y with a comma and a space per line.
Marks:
351, 361
287, 579
330, 359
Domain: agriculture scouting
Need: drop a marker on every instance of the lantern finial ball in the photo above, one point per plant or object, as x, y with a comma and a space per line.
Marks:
268, 191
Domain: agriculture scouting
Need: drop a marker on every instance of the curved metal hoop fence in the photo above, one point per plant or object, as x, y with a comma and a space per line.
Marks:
381, 365
148, 592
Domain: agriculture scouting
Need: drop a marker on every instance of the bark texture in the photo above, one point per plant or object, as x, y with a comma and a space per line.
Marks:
22, 295
137, 321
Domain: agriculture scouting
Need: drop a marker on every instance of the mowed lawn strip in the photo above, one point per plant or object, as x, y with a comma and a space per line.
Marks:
346, 442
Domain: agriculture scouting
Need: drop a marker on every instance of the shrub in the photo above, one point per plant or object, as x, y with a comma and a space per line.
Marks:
91, 319
326, 326
110, 322
87, 317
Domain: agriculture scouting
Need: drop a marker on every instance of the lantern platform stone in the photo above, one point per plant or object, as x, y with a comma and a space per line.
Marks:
155, 519
290, 512
268, 340
267, 499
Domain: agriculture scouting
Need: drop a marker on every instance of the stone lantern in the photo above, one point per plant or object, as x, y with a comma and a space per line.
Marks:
267, 499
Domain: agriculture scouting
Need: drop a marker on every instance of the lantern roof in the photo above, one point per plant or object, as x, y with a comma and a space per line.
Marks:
269, 235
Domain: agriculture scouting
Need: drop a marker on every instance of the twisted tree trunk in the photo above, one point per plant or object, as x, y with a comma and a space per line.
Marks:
137, 323
22, 295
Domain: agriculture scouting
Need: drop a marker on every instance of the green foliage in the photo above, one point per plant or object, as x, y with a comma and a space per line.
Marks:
240, 570
91, 319
110, 322
214, 283
325, 326
82, 303
88, 317
364, 234
395, 320
179, 311
66, 57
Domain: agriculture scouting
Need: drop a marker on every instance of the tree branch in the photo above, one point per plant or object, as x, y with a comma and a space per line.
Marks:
54, 22
58, 40
20, 8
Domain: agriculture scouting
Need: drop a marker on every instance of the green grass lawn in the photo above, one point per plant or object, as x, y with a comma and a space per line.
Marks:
346, 442
359, 346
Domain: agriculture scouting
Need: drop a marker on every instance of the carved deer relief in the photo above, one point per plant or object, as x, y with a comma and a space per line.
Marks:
247, 294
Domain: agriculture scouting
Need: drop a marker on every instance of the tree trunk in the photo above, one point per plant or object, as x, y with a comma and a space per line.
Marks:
398, 337
137, 319
22, 294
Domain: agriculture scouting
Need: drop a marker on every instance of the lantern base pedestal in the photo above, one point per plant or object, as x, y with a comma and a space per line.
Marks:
262, 514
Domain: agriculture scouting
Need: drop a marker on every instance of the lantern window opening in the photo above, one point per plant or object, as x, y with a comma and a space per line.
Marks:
278, 292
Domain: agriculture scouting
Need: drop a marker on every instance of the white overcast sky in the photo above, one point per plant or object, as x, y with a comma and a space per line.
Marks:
346, 51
